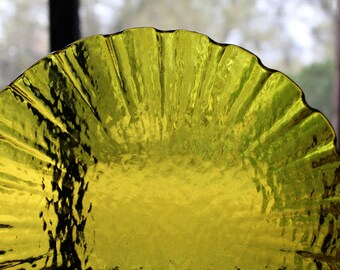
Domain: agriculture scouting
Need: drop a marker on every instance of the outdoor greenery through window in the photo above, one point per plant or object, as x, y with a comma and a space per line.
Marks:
295, 37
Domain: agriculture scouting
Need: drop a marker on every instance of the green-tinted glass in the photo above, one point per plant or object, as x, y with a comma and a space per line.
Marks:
164, 150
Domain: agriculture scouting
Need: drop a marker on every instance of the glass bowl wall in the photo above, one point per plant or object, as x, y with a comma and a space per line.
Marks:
164, 150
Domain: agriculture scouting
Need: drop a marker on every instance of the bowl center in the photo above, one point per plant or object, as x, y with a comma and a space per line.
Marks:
180, 211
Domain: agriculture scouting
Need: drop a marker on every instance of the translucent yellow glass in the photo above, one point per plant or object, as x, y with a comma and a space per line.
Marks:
164, 150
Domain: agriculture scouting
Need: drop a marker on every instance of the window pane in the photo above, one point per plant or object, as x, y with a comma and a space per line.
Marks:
23, 36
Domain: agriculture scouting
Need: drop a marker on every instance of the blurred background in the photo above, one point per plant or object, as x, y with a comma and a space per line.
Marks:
296, 37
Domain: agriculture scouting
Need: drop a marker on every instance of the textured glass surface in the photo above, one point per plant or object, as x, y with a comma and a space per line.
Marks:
164, 150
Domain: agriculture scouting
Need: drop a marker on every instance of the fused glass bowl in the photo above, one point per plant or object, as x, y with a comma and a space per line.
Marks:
164, 150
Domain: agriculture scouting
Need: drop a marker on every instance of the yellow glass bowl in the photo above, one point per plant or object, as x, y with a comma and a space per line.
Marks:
164, 150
